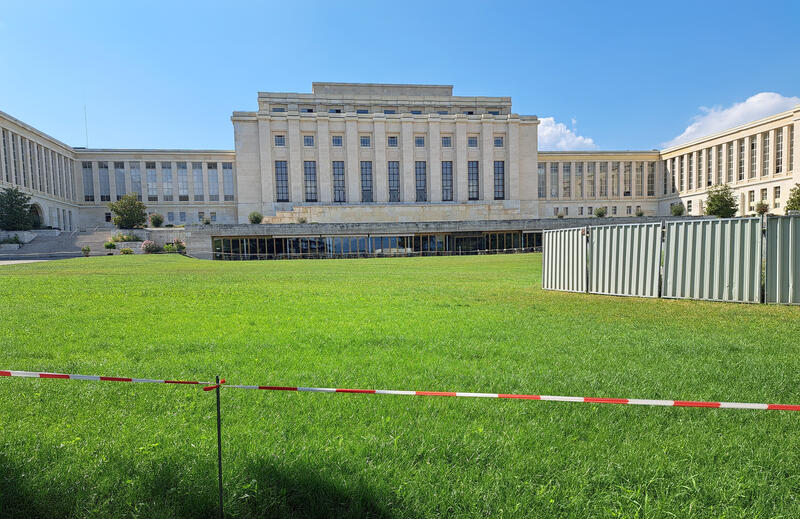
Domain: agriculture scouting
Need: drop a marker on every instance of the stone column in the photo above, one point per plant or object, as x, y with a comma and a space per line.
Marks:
380, 173
487, 158
759, 158
434, 160
773, 147
460, 172
352, 166
324, 179
407, 164
512, 162
266, 164
295, 145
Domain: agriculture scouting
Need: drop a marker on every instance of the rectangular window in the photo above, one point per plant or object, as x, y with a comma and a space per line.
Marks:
280, 141
447, 142
791, 149
628, 210
709, 171
213, 182
741, 159
310, 180
152, 181
765, 154
776, 195
166, 180
394, 181
14, 177
753, 156
441, 112
719, 164
108, 217
391, 141
541, 180
566, 179
473, 180
615, 179
699, 169
639, 178
779, 151
447, 181
183, 182
281, 181
751, 200
201, 216
336, 141
119, 177
614, 210
389, 112
170, 216
334, 110
88, 182
366, 181
690, 172
362, 111
419, 141
23, 143
416, 112
197, 178
498, 142
420, 175
764, 195
278, 109
339, 195
554, 180
580, 211
105, 182
213, 216
472, 141
651, 179
681, 185
579, 179
499, 180
730, 162
182, 216
365, 141
6, 159
308, 140
227, 181
603, 179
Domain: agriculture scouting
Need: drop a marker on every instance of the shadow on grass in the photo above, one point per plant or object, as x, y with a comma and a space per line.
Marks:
166, 489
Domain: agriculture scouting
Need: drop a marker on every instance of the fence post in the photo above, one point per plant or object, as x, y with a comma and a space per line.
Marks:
219, 449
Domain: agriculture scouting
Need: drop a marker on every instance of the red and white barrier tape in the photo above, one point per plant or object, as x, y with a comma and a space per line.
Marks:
36, 374
580, 399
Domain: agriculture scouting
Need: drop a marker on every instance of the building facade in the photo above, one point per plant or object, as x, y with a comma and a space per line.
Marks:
377, 153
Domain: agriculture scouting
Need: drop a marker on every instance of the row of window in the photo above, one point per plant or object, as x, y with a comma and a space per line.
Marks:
711, 169
581, 180
365, 141
310, 182
387, 111
564, 211
155, 177
29, 164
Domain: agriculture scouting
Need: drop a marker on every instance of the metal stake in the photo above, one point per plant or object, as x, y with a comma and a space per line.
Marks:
219, 450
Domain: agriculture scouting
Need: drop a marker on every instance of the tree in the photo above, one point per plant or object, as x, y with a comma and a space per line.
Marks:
129, 212
793, 204
721, 201
600, 212
762, 208
255, 217
677, 209
156, 220
15, 210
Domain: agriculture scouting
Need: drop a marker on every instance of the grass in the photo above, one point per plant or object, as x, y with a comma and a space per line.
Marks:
72, 448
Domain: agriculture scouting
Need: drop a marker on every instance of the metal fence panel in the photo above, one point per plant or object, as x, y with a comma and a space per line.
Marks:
717, 260
783, 260
625, 260
564, 260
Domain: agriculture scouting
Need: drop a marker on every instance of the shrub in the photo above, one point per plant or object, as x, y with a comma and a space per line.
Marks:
206, 222
86, 250
255, 217
15, 210
170, 248
169, 225
126, 250
125, 237
129, 212
677, 209
639, 212
721, 202
179, 245
302, 219
793, 203
762, 208
560, 215
156, 220
600, 212
149, 247
110, 245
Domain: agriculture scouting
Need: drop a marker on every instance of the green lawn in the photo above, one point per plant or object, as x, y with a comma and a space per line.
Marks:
73, 448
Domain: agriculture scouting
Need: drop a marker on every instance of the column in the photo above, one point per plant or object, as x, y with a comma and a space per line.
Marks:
352, 167
266, 164
324, 181
512, 163
773, 147
460, 184
746, 159
206, 195
407, 165
295, 160
380, 173
759, 158
787, 151
434, 159
487, 158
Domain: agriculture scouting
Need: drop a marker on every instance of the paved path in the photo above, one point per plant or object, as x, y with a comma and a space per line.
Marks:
15, 262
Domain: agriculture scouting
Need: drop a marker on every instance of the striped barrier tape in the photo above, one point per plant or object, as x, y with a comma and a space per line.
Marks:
37, 374
551, 398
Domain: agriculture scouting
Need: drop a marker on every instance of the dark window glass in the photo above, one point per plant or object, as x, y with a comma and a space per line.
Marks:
280, 140
421, 180
392, 141
499, 180
472, 179
310, 179
394, 181
366, 181
338, 182
447, 181
281, 181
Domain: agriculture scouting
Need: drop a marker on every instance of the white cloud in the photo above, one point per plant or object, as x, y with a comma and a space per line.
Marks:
555, 136
716, 119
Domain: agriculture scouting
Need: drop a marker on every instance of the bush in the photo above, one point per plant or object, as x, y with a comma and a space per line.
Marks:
156, 220
149, 247
179, 245
721, 202
302, 219
793, 203
677, 209
15, 210
255, 217
86, 250
110, 245
124, 237
170, 248
206, 222
169, 225
600, 212
639, 212
762, 208
126, 250
129, 212
560, 215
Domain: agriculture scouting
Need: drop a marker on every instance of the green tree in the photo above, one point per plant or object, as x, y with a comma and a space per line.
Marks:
156, 220
677, 209
600, 212
255, 217
129, 212
721, 201
15, 210
793, 204
762, 208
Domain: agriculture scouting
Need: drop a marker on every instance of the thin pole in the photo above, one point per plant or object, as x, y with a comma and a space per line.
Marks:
219, 450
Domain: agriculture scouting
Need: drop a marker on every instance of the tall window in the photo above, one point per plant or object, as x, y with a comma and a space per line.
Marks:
227, 181
42, 174
310, 180
14, 177
152, 181
779, 151
447, 181
626, 179
23, 143
338, 182
615, 179
366, 181
105, 183
394, 181
639, 178
690, 172
473, 180
541, 180
183, 182
590, 182
213, 182
7, 169
730, 162
699, 169
603, 179
651, 179
281, 181
719, 164
765, 154
88, 182
579, 179
554, 180
709, 171
500, 180
566, 179
791, 148
420, 175
197, 178
166, 181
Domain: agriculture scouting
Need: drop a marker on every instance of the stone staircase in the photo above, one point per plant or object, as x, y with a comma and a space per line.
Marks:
62, 245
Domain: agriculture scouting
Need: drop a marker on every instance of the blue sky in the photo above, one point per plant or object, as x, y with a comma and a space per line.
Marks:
628, 75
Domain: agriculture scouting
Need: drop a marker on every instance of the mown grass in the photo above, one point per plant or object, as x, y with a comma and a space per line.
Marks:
72, 448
